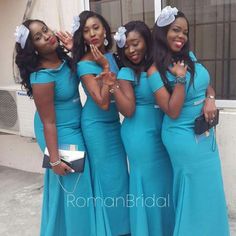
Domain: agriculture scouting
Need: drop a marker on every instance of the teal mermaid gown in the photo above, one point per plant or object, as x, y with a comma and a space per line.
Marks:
107, 156
66, 209
150, 195
199, 201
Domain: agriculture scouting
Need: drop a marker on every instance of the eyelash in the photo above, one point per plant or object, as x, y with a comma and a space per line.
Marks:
45, 29
134, 45
37, 38
95, 28
177, 30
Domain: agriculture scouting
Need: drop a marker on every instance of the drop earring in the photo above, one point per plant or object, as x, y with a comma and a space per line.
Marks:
105, 41
85, 47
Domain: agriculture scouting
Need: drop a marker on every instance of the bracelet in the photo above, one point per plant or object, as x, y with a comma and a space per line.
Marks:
112, 90
56, 163
210, 97
180, 80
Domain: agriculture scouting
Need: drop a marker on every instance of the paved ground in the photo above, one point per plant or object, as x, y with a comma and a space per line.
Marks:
20, 203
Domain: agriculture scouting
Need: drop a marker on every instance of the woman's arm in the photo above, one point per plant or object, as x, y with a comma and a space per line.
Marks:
98, 90
44, 100
123, 93
209, 108
171, 104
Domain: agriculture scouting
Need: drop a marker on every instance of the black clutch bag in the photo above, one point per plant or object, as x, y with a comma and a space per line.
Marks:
201, 125
73, 158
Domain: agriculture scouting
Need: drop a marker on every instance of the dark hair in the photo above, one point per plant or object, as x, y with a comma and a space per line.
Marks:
28, 61
141, 28
163, 56
78, 50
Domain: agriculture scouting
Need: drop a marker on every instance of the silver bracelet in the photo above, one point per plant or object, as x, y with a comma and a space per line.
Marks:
211, 97
56, 163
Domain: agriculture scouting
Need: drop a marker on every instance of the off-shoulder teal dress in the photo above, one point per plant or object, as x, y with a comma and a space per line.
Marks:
67, 210
107, 156
199, 200
150, 195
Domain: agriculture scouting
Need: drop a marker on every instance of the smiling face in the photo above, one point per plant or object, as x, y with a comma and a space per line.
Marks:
44, 41
94, 32
177, 35
135, 47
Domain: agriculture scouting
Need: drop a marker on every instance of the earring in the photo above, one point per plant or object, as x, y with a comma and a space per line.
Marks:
85, 47
36, 52
105, 41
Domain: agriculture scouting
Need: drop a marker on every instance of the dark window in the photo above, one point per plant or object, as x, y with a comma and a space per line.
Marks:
119, 12
213, 37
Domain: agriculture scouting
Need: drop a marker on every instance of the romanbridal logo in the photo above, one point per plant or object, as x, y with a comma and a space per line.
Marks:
129, 201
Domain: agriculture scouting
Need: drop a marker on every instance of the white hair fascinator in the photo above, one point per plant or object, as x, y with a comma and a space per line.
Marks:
75, 24
21, 35
167, 16
120, 37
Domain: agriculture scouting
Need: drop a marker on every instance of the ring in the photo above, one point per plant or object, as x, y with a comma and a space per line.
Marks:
182, 64
211, 121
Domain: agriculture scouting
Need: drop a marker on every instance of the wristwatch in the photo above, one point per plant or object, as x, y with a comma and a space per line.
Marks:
180, 80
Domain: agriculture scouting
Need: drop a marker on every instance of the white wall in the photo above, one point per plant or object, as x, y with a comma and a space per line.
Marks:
57, 14
226, 138
11, 13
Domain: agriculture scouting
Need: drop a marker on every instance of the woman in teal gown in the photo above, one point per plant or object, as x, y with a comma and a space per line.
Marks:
67, 209
199, 201
101, 125
150, 192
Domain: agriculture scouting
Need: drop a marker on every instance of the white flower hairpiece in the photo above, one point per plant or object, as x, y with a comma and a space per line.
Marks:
21, 35
75, 24
167, 16
120, 37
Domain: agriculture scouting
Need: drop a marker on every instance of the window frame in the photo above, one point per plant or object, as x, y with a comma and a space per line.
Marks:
222, 103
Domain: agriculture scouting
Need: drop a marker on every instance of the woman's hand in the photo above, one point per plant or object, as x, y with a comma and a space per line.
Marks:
179, 69
209, 109
66, 39
99, 58
62, 169
107, 78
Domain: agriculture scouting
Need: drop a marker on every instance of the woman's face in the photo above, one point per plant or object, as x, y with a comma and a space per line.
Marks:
177, 35
135, 47
45, 42
94, 32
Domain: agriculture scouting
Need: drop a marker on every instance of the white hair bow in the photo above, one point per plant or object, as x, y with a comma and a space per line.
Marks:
75, 24
21, 35
167, 16
120, 37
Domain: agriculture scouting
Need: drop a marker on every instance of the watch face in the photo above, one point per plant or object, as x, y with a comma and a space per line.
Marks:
181, 80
